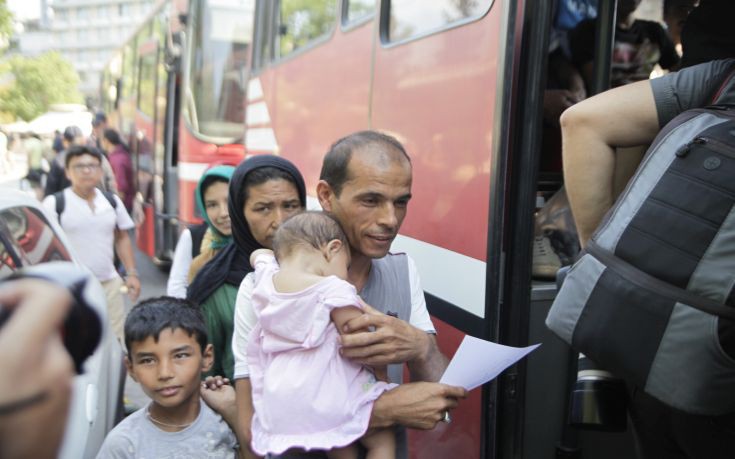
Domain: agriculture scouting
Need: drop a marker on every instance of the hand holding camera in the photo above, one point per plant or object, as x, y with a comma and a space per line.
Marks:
49, 325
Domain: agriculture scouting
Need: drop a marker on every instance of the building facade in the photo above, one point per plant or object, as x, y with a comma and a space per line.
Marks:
86, 32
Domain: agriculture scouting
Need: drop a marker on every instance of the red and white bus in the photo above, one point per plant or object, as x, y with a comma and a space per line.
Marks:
460, 83
175, 91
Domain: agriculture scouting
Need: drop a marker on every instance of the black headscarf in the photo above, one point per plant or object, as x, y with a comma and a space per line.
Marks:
232, 263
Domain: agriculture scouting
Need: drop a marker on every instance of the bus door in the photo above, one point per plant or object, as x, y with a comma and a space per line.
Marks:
158, 232
533, 398
171, 92
434, 87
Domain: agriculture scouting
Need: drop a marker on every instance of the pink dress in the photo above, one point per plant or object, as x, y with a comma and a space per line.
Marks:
305, 394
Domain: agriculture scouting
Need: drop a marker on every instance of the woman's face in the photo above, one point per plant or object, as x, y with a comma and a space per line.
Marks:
215, 203
268, 205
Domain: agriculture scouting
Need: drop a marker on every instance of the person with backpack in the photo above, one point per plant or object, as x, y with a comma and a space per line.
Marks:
651, 298
97, 225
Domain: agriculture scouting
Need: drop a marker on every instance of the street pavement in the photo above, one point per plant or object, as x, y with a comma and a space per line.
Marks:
152, 279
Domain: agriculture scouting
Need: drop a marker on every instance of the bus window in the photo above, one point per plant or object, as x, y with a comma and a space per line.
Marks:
301, 24
147, 84
221, 32
412, 18
357, 10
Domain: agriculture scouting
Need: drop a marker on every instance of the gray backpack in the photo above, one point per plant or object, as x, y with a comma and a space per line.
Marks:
652, 299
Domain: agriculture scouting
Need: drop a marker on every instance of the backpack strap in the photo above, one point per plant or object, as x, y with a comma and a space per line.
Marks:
60, 204
110, 198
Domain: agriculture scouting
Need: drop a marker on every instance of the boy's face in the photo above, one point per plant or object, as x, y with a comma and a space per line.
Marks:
169, 370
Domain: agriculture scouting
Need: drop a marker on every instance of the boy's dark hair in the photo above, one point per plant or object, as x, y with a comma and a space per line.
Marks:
79, 150
310, 228
334, 166
150, 317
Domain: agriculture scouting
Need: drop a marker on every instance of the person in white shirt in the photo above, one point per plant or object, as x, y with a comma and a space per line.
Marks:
97, 229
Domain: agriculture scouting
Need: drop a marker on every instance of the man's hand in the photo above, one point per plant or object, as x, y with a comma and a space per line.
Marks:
418, 405
133, 284
392, 341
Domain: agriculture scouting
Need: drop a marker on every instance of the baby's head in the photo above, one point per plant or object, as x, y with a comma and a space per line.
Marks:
166, 339
314, 233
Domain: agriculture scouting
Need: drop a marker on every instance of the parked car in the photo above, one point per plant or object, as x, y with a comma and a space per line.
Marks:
29, 237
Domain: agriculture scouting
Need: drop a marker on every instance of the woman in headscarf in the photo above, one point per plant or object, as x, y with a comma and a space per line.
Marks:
264, 191
200, 243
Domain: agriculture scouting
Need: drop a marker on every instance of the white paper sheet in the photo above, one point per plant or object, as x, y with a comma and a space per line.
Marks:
477, 362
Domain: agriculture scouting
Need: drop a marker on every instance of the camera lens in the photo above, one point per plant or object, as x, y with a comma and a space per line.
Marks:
598, 400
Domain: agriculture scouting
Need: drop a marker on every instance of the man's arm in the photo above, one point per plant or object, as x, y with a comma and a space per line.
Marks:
124, 250
419, 405
591, 130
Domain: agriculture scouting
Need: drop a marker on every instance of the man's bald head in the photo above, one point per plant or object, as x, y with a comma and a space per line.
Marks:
375, 147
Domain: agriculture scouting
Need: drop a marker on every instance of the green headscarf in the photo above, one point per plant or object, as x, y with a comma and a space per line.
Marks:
219, 240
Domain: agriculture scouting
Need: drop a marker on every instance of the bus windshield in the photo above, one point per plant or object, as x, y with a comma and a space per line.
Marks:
219, 34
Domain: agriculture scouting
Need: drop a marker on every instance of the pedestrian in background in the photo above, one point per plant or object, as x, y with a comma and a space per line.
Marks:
97, 225
99, 125
122, 166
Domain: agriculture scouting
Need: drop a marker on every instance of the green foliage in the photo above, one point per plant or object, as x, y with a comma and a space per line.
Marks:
305, 20
6, 22
38, 83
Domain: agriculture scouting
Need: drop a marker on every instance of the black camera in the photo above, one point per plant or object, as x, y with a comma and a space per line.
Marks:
82, 328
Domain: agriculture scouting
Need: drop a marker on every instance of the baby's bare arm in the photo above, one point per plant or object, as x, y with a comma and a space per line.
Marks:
340, 316
255, 254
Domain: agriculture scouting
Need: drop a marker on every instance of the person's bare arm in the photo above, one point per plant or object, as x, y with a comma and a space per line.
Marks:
257, 253
124, 250
591, 130
419, 405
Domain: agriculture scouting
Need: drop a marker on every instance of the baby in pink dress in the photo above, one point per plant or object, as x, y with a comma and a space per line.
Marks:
305, 394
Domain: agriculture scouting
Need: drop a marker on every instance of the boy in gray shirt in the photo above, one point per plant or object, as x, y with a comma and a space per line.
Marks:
167, 347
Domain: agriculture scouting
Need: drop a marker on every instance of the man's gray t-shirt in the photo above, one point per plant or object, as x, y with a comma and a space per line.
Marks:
692, 87
137, 437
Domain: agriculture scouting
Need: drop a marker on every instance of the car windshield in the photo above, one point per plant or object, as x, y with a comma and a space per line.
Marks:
220, 34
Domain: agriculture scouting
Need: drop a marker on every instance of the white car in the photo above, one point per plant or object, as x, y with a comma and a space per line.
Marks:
28, 237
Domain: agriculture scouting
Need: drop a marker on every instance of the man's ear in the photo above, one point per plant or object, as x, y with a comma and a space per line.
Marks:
129, 367
207, 358
333, 247
325, 194
67, 173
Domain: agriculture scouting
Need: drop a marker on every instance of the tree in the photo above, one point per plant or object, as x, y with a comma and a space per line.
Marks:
38, 83
6, 23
